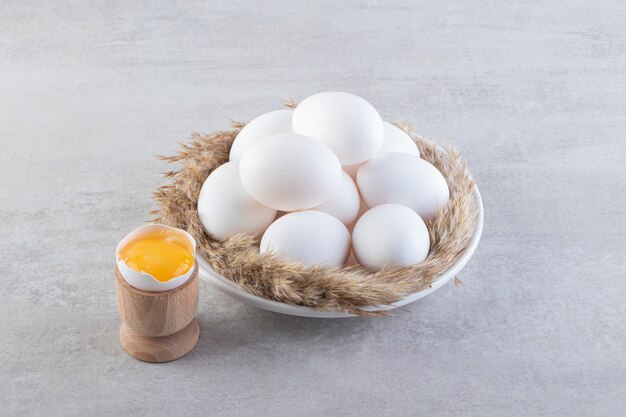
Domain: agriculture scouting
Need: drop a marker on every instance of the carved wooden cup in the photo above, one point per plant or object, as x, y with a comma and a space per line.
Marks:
158, 326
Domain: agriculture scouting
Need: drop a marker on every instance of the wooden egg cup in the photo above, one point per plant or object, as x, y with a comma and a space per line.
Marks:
158, 326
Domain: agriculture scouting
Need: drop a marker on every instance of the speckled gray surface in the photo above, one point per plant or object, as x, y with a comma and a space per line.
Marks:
534, 92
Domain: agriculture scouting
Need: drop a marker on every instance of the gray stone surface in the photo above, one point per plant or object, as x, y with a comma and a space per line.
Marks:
534, 92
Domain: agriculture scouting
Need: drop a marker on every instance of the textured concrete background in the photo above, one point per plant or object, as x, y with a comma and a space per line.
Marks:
534, 92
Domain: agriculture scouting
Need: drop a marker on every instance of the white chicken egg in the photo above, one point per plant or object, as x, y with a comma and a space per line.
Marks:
390, 234
310, 237
348, 124
403, 179
396, 140
278, 121
133, 263
344, 203
290, 172
225, 208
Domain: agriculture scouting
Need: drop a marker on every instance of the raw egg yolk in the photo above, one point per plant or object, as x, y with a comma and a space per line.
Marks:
164, 254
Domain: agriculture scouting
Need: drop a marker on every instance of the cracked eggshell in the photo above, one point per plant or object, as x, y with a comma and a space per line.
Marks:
390, 235
288, 172
344, 203
267, 124
403, 179
309, 237
142, 280
225, 208
348, 124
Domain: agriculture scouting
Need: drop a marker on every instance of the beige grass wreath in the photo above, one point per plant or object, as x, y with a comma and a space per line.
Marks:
346, 289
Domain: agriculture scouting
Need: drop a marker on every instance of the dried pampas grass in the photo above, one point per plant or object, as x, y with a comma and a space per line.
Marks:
345, 289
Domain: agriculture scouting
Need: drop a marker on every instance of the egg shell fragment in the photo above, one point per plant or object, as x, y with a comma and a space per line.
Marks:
267, 124
390, 235
344, 203
225, 208
403, 179
290, 172
346, 123
309, 237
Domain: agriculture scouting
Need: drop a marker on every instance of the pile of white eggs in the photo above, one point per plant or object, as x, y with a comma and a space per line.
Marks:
323, 179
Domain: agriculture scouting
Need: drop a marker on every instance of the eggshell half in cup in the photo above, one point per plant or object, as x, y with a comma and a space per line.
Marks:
142, 280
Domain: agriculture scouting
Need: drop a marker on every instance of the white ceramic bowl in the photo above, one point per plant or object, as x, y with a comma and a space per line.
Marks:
229, 287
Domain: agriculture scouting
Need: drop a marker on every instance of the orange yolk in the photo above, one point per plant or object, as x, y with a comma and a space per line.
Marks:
164, 254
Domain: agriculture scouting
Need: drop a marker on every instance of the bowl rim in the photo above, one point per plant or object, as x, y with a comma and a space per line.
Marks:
225, 285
